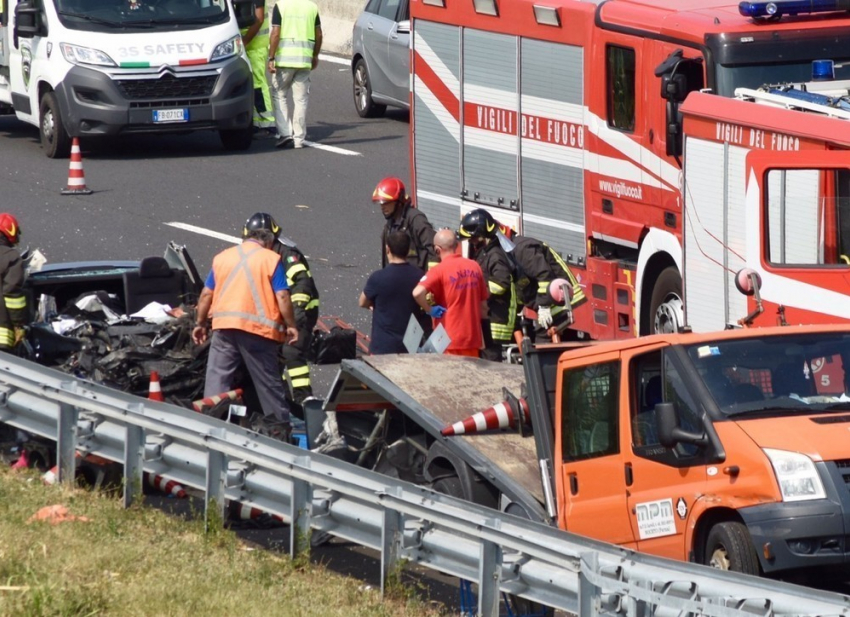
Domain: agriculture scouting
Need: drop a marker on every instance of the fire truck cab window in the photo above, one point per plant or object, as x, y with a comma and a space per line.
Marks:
808, 217
620, 67
590, 412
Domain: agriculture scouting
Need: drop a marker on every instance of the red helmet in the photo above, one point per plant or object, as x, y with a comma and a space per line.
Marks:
9, 227
389, 189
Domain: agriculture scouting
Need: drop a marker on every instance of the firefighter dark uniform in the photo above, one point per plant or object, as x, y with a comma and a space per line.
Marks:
416, 225
13, 310
502, 303
537, 266
305, 302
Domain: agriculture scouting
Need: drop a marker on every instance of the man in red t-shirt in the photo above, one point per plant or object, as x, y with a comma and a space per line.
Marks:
460, 296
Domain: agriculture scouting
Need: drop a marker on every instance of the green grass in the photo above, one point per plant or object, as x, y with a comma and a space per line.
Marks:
142, 561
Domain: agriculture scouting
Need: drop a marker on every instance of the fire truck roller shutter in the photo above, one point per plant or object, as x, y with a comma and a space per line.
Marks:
436, 65
553, 141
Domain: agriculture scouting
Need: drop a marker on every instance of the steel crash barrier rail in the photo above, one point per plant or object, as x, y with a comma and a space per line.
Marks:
405, 522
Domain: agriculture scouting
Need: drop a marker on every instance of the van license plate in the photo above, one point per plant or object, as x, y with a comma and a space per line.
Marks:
170, 115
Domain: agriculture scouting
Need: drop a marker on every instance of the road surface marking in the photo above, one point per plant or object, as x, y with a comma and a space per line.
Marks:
205, 232
334, 149
335, 59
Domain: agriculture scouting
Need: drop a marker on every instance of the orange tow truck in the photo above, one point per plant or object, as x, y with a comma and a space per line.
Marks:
729, 449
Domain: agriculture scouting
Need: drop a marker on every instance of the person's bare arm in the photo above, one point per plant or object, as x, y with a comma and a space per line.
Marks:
284, 303
274, 41
200, 331
317, 47
259, 16
365, 302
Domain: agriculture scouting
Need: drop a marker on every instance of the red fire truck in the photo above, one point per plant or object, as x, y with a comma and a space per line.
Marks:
613, 132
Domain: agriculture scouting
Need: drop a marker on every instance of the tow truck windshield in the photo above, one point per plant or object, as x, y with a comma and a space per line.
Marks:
776, 376
111, 15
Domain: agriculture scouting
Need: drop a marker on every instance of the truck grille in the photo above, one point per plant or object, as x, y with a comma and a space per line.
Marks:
167, 87
844, 469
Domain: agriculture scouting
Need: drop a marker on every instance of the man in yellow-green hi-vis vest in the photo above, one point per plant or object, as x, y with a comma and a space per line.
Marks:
256, 40
296, 40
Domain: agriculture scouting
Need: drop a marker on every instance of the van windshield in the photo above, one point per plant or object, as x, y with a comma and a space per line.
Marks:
111, 15
776, 375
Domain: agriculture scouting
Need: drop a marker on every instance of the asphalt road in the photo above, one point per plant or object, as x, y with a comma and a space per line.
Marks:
320, 197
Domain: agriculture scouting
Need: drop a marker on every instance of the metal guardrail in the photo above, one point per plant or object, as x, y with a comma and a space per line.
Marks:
502, 553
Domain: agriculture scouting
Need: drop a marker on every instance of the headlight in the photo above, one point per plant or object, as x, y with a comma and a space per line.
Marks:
232, 47
798, 479
85, 55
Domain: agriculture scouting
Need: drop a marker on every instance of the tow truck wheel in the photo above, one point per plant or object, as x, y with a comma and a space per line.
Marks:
54, 137
237, 139
366, 107
666, 308
729, 547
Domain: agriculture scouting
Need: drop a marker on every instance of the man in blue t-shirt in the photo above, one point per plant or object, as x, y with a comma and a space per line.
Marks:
388, 293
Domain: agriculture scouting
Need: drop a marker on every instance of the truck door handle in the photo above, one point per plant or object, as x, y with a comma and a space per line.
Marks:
630, 478
573, 484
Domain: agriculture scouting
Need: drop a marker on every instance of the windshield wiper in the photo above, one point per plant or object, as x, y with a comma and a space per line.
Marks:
174, 21
95, 20
771, 411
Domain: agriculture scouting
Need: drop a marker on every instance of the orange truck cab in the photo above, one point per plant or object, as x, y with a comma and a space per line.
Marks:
729, 449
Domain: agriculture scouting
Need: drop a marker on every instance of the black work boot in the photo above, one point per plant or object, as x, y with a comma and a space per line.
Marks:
281, 431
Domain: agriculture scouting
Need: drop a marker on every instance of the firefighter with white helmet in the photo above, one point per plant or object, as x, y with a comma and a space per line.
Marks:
13, 311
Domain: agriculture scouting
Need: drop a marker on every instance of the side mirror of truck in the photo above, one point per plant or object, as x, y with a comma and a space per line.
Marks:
669, 431
27, 21
244, 11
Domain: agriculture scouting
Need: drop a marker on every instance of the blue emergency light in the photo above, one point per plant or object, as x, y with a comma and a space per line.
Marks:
823, 70
778, 8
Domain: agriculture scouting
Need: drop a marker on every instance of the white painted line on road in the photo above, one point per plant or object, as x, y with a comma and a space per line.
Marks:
205, 232
335, 59
334, 149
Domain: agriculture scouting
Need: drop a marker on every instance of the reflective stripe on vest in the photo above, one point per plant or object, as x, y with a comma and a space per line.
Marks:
15, 303
232, 310
304, 299
297, 33
298, 377
7, 337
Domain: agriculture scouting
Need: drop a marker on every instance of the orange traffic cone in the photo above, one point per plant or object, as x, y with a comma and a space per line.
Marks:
155, 391
169, 487
503, 415
243, 512
212, 401
22, 462
76, 175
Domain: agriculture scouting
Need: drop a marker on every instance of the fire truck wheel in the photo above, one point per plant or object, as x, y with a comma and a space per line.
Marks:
54, 137
666, 308
729, 547
366, 107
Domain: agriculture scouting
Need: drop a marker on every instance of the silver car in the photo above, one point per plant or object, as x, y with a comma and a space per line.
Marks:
380, 63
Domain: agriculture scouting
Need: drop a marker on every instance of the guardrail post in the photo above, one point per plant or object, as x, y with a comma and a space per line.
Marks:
489, 579
589, 595
299, 529
214, 490
66, 443
134, 453
390, 544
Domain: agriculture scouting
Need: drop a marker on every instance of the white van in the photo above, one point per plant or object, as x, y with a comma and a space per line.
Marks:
87, 68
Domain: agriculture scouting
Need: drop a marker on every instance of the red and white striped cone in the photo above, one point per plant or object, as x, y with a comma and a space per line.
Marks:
22, 462
212, 401
51, 476
169, 487
244, 512
502, 415
155, 389
76, 175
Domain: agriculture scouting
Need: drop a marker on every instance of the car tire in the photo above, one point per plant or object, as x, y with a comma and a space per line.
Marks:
362, 90
729, 547
237, 139
54, 138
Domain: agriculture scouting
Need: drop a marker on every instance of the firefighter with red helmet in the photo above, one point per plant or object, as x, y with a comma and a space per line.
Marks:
481, 230
305, 303
14, 308
402, 215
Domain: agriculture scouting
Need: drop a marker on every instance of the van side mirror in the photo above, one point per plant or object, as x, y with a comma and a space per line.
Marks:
669, 431
27, 21
244, 11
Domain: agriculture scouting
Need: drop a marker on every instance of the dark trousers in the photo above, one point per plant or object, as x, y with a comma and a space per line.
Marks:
229, 349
